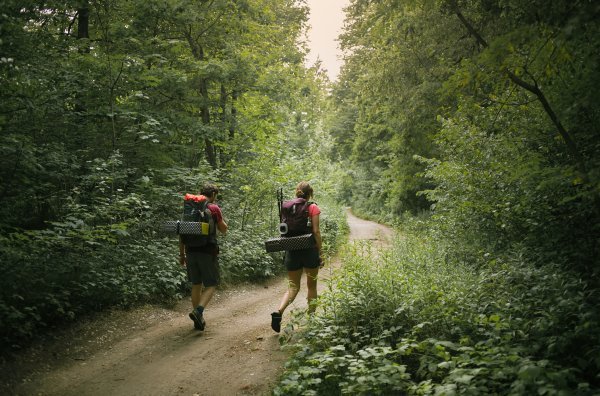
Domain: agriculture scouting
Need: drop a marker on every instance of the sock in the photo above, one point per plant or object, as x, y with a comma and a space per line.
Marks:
200, 309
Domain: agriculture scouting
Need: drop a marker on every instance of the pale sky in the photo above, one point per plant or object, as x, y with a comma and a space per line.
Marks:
327, 20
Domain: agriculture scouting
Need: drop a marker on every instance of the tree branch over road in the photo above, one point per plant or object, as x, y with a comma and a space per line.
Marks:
532, 88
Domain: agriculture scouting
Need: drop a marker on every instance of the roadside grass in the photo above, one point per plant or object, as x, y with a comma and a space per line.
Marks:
414, 320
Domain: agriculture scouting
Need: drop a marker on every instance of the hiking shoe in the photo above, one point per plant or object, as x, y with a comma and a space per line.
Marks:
198, 318
276, 321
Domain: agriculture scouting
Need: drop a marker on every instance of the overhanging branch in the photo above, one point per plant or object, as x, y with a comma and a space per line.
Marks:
532, 88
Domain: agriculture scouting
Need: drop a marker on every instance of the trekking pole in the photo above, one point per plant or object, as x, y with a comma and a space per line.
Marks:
279, 200
279, 204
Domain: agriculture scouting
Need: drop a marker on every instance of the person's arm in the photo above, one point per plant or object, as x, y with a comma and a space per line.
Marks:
181, 252
222, 226
218, 217
316, 230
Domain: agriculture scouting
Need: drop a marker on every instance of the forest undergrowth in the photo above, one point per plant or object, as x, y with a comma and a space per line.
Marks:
74, 269
417, 319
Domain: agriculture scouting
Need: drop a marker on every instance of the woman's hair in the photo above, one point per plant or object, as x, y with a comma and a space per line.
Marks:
208, 189
304, 190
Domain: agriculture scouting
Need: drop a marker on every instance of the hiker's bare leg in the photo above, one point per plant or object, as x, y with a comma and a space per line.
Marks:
311, 285
196, 293
206, 295
293, 289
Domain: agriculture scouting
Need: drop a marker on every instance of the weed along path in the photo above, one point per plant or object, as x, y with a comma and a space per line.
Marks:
156, 351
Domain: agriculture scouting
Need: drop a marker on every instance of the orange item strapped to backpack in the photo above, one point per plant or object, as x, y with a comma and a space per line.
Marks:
195, 198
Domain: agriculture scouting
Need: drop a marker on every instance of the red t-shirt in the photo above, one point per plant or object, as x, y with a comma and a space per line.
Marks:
216, 212
313, 210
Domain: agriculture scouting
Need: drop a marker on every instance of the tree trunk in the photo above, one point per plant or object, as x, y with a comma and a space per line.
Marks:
209, 149
233, 120
83, 21
223, 105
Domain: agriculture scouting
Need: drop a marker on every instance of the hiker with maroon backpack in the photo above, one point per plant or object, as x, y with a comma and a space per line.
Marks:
199, 252
300, 217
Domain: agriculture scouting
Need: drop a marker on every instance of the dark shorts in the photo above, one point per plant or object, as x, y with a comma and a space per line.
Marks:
298, 259
203, 268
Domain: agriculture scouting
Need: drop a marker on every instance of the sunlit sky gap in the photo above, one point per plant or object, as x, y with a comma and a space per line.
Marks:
326, 20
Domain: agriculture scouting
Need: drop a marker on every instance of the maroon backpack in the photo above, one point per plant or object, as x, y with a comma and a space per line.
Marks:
294, 213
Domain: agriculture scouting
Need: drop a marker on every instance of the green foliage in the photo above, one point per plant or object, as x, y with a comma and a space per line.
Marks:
479, 112
414, 321
102, 134
495, 191
383, 109
243, 256
62, 272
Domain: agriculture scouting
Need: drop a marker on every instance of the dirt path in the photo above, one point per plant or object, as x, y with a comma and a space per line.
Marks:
155, 351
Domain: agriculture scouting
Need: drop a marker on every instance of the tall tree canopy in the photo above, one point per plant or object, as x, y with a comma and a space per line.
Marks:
110, 111
481, 108
482, 118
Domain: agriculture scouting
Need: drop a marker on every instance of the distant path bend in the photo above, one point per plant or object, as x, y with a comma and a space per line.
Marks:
368, 230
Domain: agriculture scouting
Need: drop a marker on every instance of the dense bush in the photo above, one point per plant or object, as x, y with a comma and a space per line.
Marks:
495, 190
415, 322
243, 256
106, 125
49, 278
104, 252
108, 250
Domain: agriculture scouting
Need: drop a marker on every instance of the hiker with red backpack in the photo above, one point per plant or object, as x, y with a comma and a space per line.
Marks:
300, 216
199, 252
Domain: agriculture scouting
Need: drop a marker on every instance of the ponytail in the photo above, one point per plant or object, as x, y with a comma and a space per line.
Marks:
304, 190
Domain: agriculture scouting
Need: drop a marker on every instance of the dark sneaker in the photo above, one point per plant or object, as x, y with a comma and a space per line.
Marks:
198, 318
276, 321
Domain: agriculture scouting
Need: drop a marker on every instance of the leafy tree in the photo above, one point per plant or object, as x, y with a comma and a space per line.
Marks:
492, 93
109, 112
495, 291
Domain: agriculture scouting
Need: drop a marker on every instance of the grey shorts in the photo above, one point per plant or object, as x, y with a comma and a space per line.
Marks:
298, 259
203, 268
